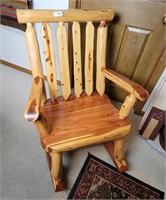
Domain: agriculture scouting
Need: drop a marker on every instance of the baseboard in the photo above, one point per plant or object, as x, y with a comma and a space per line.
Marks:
8, 64
22, 69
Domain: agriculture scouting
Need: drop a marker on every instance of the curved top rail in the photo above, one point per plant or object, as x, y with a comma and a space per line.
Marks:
71, 15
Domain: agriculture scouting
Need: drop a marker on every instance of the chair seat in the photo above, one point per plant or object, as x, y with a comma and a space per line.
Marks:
77, 122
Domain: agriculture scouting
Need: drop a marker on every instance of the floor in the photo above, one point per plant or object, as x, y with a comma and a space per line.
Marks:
24, 170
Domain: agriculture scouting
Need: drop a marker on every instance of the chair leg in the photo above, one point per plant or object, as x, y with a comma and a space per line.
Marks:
56, 171
116, 151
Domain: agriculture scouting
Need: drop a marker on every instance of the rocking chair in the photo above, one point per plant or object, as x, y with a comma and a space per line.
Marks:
85, 116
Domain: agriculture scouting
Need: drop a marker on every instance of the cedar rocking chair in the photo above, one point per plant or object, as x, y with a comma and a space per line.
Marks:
86, 116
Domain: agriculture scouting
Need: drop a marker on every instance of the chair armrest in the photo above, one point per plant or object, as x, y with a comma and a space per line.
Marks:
125, 83
32, 109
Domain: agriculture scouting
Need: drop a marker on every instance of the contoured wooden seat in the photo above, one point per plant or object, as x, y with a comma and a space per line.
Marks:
86, 116
82, 121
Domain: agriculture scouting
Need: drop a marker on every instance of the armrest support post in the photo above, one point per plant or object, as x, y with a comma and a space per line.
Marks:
36, 99
135, 91
127, 106
41, 125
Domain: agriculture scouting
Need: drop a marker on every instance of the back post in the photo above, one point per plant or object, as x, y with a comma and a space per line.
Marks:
34, 54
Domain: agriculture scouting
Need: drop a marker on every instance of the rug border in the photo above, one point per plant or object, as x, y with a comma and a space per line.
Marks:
79, 177
81, 173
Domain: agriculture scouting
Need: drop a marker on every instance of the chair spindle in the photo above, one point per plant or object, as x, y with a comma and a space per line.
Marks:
64, 60
89, 48
101, 57
50, 60
77, 58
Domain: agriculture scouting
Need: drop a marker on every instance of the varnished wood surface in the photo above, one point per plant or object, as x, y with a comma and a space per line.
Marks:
32, 109
80, 119
72, 121
24, 159
159, 67
89, 54
126, 84
101, 56
29, 15
127, 106
64, 60
33, 51
77, 58
50, 59
135, 44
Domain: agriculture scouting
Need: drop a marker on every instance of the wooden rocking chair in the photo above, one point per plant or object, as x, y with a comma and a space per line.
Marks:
72, 121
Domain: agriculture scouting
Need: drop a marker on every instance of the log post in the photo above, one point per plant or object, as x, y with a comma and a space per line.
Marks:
56, 171
127, 106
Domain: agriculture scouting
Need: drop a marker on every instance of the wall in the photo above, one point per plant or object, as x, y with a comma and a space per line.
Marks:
13, 47
12, 41
157, 98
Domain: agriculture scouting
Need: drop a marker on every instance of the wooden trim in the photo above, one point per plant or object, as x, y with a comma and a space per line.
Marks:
157, 71
74, 4
22, 69
71, 15
78, 4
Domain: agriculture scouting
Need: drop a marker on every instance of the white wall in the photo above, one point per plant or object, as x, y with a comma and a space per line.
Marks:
12, 41
12, 46
50, 4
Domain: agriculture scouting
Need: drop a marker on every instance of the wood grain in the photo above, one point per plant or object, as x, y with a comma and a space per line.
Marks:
33, 51
133, 41
29, 15
50, 60
32, 109
89, 52
127, 106
64, 60
159, 68
137, 28
83, 121
56, 171
101, 56
126, 84
77, 58
41, 125
72, 121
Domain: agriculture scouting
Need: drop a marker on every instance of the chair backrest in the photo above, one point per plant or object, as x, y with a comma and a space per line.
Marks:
75, 17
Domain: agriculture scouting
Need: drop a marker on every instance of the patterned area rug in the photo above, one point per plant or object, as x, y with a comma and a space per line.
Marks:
99, 180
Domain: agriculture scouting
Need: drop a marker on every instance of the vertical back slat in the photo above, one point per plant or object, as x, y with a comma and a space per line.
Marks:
101, 57
64, 60
50, 60
89, 47
77, 58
